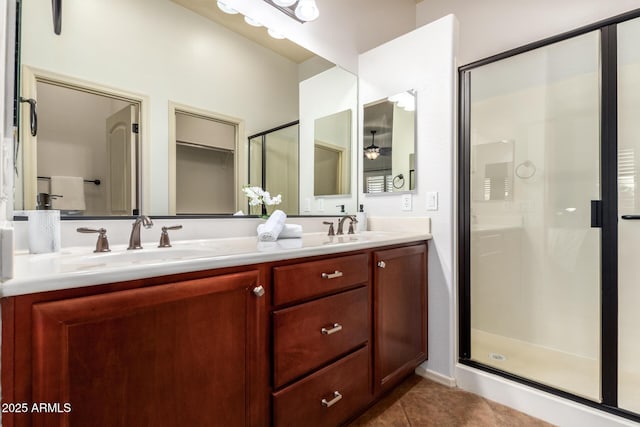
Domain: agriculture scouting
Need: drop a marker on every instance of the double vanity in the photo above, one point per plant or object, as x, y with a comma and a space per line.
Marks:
214, 332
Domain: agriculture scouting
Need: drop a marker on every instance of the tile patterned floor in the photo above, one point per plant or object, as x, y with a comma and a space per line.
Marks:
422, 403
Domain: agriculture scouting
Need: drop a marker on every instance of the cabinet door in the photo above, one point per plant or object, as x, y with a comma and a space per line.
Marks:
400, 313
170, 355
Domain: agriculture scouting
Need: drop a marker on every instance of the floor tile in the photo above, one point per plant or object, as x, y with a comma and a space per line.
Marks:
418, 402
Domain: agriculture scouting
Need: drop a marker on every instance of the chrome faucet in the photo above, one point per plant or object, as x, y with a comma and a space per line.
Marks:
134, 239
341, 224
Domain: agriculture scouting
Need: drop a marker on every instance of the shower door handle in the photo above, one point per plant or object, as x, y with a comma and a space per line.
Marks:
630, 216
596, 214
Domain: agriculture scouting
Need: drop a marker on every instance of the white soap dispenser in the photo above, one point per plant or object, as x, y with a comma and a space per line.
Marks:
361, 217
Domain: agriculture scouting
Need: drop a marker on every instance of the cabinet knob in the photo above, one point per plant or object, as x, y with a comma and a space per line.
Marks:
329, 403
258, 291
382, 264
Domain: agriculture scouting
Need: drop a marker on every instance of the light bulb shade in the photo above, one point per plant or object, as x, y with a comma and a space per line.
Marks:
275, 34
284, 3
372, 152
307, 10
226, 9
252, 22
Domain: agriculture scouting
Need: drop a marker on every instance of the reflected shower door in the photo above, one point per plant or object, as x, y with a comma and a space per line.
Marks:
535, 260
274, 166
282, 167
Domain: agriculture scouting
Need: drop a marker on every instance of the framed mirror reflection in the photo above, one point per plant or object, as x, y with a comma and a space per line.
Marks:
389, 135
259, 84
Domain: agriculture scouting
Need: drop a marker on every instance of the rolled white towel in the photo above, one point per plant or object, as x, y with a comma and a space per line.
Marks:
272, 228
289, 231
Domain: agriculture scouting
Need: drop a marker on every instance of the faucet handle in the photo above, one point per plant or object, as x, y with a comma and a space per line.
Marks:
353, 221
164, 236
331, 230
102, 245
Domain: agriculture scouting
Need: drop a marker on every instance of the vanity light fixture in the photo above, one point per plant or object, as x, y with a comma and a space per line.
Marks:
372, 151
303, 11
284, 3
307, 10
226, 9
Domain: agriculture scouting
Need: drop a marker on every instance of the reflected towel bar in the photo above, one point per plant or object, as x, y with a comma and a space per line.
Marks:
95, 181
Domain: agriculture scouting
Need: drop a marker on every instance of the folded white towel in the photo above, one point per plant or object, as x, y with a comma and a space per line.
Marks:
71, 188
272, 228
289, 231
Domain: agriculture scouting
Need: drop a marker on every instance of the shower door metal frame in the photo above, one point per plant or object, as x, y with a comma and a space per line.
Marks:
263, 139
609, 228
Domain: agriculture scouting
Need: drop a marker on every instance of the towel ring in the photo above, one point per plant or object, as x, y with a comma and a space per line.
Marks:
398, 179
526, 169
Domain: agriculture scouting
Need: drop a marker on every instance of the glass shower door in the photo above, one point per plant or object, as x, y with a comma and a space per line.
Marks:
274, 166
628, 207
534, 258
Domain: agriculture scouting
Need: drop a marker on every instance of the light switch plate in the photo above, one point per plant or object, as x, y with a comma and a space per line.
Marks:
406, 202
432, 201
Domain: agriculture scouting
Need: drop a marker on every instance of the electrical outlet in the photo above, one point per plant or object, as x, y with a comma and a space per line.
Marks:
432, 201
307, 204
320, 205
406, 202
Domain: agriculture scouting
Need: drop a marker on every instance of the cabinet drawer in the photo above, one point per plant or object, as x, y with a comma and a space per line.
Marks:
309, 335
309, 279
328, 397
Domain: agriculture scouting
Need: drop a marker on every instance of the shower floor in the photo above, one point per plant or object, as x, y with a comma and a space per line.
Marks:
564, 371
568, 372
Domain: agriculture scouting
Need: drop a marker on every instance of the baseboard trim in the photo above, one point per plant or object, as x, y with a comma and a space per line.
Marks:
545, 406
435, 376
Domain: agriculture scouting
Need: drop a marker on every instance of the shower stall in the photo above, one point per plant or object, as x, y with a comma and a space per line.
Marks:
548, 281
274, 165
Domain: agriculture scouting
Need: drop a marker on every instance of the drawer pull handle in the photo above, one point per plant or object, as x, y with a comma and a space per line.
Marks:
382, 264
258, 291
332, 275
329, 403
336, 327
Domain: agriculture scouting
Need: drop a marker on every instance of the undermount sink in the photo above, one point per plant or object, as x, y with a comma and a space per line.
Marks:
141, 255
78, 259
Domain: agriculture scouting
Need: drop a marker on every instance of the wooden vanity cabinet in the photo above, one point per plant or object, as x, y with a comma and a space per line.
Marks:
308, 342
399, 313
321, 344
173, 354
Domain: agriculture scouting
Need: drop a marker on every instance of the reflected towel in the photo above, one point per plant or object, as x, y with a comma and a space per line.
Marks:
272, 228
289, 231
71, 188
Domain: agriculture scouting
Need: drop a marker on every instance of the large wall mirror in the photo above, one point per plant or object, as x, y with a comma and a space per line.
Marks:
332, 154
389, 136
168, 52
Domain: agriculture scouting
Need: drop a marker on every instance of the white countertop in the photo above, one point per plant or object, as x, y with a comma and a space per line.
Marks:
79, 266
